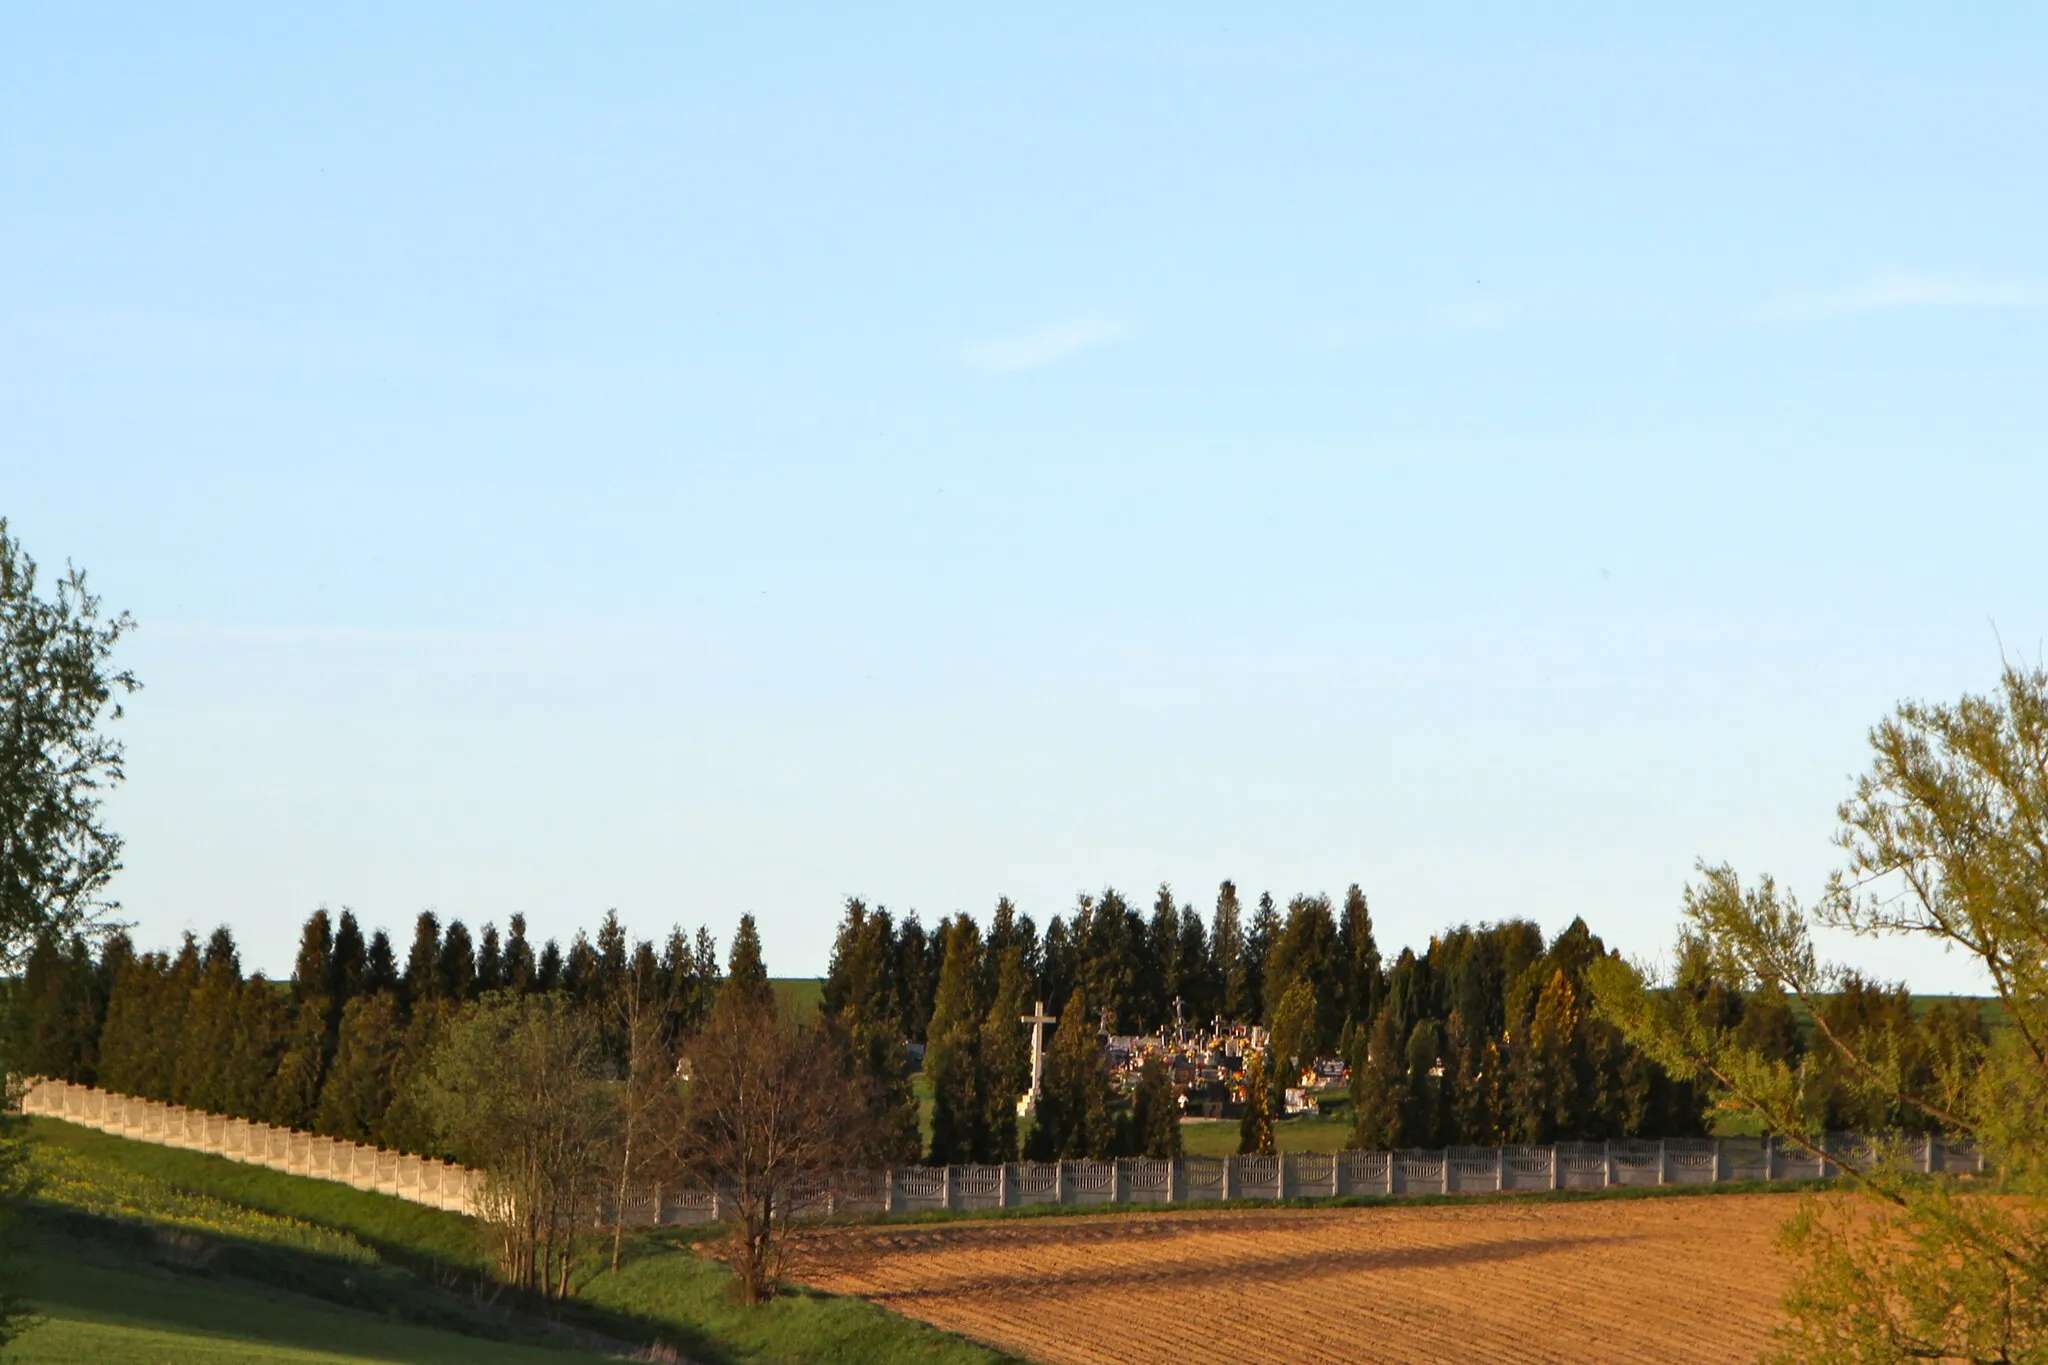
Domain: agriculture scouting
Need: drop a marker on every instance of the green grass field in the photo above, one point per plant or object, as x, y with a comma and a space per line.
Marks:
798, 995
1310, 1133
149, 1253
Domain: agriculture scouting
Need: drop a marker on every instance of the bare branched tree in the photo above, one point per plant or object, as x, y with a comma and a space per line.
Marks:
770, 1119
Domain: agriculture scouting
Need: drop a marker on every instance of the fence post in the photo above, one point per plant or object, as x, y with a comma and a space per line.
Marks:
1500, 1168
1660, 1161
946, 1186
1230, 1177
1553, 1166
1606, 1163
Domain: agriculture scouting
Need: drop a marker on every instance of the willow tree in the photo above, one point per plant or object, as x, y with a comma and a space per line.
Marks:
1945, 840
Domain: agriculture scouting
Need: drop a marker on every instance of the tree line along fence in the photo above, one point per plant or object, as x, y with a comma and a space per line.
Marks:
1018, 1184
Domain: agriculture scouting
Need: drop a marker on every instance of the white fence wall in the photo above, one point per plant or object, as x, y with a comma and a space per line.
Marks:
1129, 1180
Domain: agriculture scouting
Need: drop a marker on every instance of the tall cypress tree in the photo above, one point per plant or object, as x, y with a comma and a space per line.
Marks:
1074, 1118
358, 1087
380, 968
521, 970
1379, 1076
349, 960
421, 982
1258, 948
54, 1019
312, 1031
1196, 987
859, 1006
455, 969
1255, 1129
1155, 1115
313, 969
1359, 955
1005, 1057
1161, 962
952, 1064
914, 981
1236, 995
490, 961
745, 971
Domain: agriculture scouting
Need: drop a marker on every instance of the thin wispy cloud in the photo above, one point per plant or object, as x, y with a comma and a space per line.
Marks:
1485, 313
1045, 345
1913, 289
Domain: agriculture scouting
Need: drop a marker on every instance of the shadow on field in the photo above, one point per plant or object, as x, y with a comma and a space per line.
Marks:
859, 1255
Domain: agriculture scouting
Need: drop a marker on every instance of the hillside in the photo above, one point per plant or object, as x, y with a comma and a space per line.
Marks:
149, 1253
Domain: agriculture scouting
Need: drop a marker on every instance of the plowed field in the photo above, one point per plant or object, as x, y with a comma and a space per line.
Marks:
1677, 1280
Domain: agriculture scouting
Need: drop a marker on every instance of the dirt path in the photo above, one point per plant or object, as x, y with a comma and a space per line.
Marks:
1677, 1280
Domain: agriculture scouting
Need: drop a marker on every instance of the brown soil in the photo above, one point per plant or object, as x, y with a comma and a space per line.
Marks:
1677, 1280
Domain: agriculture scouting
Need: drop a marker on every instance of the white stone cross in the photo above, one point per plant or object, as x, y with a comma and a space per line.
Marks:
1038, 1019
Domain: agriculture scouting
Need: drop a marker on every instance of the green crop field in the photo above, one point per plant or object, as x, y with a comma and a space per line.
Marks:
148, 1253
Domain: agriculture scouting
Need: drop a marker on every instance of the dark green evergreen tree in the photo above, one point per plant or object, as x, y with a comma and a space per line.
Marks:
859, 1006
1161, 962
745, 971
357, 1091
380, 968
1379, 1083
1358, 952
952, 1061
1155, 1113
1236, 996
1074, 1118
915, 981
1005, 1056
422, 982
521, 971
349, 960
490, 961
455, 967
1305, 951
1255, 1128
1258, 948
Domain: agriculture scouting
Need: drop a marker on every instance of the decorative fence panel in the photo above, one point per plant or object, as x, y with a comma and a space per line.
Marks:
1309, 1175
1420, 1172
1130, 1180
1472, 1170
1252, 1177
1201, 1177
918, 1189
979, 1187
1362, 1172
1035, 1182
1088, 1182
1144, 1180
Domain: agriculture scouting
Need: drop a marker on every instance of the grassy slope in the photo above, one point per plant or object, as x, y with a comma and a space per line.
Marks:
114, 1312
663, 1291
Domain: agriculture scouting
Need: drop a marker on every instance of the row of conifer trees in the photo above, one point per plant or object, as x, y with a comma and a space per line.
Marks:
1485, 1036
335, 1048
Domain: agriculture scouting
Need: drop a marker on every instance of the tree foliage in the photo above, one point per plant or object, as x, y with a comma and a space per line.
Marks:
57, 686
1945, 840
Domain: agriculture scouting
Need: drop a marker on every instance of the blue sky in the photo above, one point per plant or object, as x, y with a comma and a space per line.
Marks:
693, 462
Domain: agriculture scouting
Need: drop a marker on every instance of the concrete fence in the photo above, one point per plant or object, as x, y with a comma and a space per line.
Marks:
1128, 1180
437, 1184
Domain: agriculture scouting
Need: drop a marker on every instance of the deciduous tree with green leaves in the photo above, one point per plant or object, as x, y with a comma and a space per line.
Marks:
1946, 841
